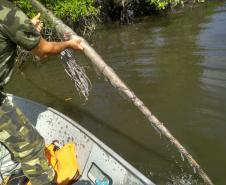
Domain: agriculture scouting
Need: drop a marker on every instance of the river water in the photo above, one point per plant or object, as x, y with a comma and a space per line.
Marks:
176, 64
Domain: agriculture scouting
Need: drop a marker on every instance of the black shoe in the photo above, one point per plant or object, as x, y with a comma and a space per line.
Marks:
17, 178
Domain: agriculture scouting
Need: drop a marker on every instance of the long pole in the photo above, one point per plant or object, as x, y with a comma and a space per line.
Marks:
108, 72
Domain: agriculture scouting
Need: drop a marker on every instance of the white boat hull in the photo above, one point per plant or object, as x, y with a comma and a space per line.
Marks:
96, 160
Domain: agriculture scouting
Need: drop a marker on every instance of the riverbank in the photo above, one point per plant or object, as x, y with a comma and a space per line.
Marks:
84, 15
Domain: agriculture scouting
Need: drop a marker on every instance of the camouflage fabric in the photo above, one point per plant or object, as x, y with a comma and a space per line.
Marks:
15, 29
26, 144
16, 133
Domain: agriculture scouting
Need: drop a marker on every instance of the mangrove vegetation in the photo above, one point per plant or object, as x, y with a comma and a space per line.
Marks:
84, 15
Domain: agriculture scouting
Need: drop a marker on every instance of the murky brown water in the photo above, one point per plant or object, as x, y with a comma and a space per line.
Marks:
176, 65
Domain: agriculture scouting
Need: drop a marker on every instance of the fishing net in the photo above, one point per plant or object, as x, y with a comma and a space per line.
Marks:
76, 73
7, 165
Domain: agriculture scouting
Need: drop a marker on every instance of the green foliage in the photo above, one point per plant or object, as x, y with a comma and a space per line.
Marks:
76, 10
162, 4
63, 8
73, 8
26, 6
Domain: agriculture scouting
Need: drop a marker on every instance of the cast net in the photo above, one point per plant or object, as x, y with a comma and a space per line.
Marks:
7, 165
76, 73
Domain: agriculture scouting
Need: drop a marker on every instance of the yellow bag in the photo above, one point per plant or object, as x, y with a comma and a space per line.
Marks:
63, 160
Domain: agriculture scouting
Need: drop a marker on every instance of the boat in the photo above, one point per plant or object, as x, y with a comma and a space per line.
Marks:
96, 160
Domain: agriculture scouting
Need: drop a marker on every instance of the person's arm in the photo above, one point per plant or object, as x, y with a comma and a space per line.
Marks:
26, 33
45, 48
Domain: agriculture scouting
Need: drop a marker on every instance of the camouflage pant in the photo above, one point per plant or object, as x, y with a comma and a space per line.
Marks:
25, 143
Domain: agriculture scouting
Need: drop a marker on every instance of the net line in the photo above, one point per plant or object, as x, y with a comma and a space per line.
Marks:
7, 165
76, 73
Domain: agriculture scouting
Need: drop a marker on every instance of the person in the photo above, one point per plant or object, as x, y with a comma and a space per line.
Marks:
16, 132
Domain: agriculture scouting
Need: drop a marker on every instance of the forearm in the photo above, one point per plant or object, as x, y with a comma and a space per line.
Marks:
57, 47
45, 48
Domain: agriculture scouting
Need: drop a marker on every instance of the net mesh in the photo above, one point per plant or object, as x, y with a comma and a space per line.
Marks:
7, 165
76, 73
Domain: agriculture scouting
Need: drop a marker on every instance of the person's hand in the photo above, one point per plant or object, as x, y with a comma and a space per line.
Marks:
37, 23
76, 44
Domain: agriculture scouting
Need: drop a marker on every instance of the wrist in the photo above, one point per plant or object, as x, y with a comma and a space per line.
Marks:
75, 44
69, 44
